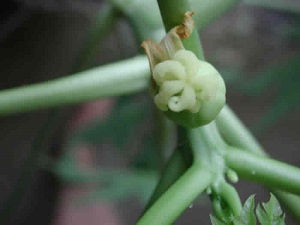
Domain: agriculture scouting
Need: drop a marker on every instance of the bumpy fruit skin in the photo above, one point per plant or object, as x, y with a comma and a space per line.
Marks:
191, 92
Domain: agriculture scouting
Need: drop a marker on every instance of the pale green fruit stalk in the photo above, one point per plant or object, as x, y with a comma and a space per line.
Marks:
190, 91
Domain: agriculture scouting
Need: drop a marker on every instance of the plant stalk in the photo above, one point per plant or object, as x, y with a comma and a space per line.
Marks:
172, 14
178, 197
263, 170
119, 78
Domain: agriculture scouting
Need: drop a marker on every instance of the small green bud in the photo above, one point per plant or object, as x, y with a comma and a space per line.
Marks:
232, 175
191, 92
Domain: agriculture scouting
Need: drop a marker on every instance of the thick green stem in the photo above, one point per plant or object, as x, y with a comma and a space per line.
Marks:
268, 172
229, 194
227, 201
208, 148
172, 14
123, 77
178, 197
201, 146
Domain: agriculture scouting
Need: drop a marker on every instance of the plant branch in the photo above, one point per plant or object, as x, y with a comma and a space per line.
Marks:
228, 201
269, 172
119, 78
172, 15
178, 197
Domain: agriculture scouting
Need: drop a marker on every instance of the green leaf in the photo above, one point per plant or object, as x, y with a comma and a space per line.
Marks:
247, 216
270, 213
215, 221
